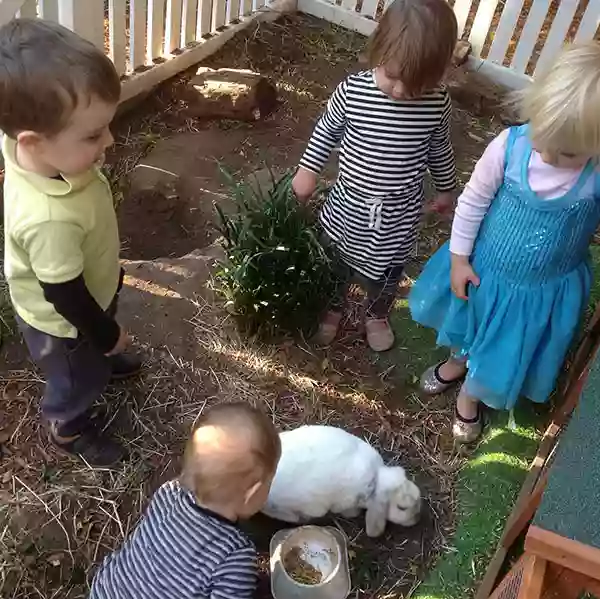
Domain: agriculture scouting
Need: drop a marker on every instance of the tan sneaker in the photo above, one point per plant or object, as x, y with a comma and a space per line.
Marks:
328, 328
380, 336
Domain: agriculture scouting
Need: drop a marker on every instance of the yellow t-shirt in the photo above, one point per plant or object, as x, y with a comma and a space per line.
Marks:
54, 231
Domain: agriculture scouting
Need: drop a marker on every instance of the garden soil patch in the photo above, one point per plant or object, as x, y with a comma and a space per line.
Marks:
62, 518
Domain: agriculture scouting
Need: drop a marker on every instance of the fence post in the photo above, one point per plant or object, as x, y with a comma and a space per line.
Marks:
29, 9
49, 10
118, 34
84, 18
138, 18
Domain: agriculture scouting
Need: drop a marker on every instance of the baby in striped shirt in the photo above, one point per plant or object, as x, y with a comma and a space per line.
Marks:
188, 544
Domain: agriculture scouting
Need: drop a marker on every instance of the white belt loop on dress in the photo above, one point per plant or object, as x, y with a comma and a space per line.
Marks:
375, 211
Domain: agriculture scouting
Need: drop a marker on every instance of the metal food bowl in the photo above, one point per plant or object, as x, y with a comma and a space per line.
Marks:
323, 548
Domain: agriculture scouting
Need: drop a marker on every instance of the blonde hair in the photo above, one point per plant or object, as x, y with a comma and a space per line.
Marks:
562, 105
233, 447
415, 40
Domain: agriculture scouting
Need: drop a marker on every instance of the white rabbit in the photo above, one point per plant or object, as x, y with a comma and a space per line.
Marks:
324, 469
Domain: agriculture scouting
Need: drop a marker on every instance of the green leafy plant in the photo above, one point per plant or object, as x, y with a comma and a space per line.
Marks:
277, 278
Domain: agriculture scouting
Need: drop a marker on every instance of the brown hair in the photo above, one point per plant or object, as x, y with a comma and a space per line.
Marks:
46, 70
233, 447
415, 40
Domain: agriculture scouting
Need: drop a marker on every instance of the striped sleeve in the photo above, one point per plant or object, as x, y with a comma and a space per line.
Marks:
440, 159
327, 133
236, 577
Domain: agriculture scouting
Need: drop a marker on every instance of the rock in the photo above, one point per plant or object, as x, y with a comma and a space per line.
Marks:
230, 94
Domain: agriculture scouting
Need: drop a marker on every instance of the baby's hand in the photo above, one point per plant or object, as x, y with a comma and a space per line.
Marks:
461, 274
123, 342
304, 184
443, 203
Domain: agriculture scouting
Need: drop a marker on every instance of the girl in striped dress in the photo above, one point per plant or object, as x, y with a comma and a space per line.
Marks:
508, 292
392, 122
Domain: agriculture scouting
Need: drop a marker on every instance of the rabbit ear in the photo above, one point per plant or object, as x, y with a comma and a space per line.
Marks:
388, 480
376, 517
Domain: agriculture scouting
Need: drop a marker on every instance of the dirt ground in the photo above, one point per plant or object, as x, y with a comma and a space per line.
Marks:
59, 518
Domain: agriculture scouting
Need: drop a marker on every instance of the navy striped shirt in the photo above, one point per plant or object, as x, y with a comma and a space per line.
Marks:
386, 146
179, 551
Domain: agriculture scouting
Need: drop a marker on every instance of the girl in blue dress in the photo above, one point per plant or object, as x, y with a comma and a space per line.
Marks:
508, 291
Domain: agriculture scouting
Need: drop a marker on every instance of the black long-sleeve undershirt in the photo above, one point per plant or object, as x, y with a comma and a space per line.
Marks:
75, 303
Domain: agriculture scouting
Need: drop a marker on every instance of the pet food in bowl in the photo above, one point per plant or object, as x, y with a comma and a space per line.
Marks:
299, 569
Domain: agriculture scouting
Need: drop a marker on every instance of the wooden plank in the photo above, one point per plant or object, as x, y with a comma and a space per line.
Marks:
337, 15
219, 14
481, 25
137, 33
190, 19
233, 12
156, 29
29, 10
204, 24
590, 21
173, 27
140, 83
118, 34
369, 8
564, 552
49, 10
558, 31
461, 10
349, 5
505, 30
85, 18
529, 35
533, 578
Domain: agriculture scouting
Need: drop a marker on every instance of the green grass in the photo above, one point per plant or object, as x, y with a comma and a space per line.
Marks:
487, 484
486, 489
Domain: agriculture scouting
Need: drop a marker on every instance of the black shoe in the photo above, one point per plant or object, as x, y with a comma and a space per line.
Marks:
90, 445
124, 366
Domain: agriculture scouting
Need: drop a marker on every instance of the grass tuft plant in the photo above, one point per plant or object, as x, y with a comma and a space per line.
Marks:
277, 278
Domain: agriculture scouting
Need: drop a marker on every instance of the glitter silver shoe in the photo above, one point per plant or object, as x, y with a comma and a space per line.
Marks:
467, 430
433, 384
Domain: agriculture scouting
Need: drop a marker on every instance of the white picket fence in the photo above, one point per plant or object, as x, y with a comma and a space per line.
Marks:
148, 40
507, 36
151, 40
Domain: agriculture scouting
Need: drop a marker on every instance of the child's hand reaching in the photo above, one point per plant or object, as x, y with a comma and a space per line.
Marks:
443, 203
461, 274
304, 184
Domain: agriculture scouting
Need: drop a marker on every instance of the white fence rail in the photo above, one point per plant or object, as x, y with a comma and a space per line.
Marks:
148, 40
151, 40
511, 39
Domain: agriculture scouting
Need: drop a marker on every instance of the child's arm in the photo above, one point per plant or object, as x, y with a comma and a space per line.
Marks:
472, 207
440, 161
236, 577
54, 250
326, 135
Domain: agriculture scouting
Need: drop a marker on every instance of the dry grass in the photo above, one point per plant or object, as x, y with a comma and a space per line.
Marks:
58, 518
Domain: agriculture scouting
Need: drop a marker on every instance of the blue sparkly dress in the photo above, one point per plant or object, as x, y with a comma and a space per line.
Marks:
531, 255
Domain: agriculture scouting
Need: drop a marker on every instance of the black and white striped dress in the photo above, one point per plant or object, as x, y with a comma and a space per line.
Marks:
373, 211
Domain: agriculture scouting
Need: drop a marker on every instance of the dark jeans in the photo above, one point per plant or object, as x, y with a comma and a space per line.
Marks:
76, 372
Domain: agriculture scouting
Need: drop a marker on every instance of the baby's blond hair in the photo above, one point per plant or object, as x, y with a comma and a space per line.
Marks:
562, 105
233, 447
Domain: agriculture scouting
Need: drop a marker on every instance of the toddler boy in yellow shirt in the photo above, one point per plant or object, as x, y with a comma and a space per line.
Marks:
58, 95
